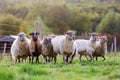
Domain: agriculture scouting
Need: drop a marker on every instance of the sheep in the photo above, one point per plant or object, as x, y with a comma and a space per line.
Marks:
20, 48
84, 47
63, 44
47, 49
35, 46
101, 48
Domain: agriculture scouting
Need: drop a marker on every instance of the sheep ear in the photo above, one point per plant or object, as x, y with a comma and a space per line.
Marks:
25, 34
18, 34
31, 33
38, 33
75, 31
44, 36
89, 34
66, 33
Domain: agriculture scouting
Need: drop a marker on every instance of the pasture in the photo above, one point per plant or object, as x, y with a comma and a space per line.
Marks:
85, 70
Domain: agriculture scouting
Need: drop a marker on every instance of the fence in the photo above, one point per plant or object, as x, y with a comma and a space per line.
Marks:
113, 40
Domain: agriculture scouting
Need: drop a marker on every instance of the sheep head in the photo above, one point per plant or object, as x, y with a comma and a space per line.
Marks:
94, 36
34, 35
47, 42
103, 39
47, 45
70, 35
21, 36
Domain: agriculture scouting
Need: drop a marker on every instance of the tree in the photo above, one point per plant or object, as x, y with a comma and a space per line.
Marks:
110, 24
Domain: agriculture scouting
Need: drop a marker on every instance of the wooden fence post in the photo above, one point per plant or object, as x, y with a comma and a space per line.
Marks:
111, 47
4, 50
115, 50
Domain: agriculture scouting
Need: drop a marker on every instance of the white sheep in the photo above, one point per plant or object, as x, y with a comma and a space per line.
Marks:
101, 47
20, 47
63, 44
84, 47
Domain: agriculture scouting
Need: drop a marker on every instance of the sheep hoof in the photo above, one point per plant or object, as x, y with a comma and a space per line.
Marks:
70, 62
103, 59
66, 63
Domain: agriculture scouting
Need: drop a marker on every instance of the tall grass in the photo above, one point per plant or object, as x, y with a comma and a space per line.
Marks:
86, 70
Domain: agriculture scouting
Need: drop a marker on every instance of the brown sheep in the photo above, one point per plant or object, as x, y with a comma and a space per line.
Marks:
35, 46
101, 48
47, 49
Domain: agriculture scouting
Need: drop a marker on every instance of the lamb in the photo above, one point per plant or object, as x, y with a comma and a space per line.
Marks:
35, 46
101, 48
63, 44
84, 47
47, 49
20, 48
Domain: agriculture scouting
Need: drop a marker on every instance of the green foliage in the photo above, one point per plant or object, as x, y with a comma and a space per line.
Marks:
110, 24
9, 24
81, 23
19, 12
61, 17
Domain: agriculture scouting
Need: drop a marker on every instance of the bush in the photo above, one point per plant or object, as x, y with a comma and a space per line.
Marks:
110, 24
9, 24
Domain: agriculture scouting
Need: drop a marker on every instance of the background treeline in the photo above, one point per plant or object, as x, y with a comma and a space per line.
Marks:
57, 16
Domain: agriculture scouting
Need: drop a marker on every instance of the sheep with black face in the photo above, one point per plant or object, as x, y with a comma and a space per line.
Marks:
35, 46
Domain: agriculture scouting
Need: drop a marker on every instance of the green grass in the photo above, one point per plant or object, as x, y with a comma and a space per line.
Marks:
86, 70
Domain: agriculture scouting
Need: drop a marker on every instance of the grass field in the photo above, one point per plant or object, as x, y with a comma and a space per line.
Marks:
86, 70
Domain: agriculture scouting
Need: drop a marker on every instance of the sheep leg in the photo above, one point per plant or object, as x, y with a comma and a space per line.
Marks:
80, 58
54, 56
71, 58
45, 58
49, 59
32, 59
91, 57
87, 57
19, 60
37, 59
22, 60
65, 59
25, 60
15, 61
103, 58
55, 59
96, 58
29, 59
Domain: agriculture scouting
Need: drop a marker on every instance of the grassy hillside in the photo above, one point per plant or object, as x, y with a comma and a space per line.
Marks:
86, 70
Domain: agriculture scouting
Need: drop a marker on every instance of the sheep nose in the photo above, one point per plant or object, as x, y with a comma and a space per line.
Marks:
22, 39
35, 38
